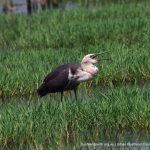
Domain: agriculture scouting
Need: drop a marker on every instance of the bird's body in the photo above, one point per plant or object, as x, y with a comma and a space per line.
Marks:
69, 76
59, 80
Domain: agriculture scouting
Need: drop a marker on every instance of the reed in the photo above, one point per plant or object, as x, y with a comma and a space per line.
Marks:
11, 6
4, 6
30, 47
26, 122
43, 4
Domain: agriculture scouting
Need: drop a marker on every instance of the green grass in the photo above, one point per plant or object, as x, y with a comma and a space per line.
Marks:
107, 26
30, 47
25, 69
26, 121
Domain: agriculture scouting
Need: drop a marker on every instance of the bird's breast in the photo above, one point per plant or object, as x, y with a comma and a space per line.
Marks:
92, 70
95, 70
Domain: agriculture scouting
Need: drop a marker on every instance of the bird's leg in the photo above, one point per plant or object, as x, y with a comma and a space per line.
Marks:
62, 95
75, 93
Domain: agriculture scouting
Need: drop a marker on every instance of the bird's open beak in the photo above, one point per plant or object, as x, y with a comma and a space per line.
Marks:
99, 53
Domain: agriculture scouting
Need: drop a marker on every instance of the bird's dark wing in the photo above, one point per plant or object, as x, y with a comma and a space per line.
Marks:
52, 75
57, 80
56, 84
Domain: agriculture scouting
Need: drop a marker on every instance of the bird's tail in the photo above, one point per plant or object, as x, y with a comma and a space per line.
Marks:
42, 90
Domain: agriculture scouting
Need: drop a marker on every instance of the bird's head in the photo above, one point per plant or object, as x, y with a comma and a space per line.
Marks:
92, 58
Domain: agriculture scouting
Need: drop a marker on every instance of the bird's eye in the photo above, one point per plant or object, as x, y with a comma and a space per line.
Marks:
92, 56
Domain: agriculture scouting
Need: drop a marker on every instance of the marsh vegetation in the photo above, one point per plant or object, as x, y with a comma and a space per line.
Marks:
99, 114
117, 100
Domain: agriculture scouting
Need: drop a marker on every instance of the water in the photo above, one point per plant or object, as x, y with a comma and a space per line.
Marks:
123, 141
107, 139
118, 146
21, 7
126, 141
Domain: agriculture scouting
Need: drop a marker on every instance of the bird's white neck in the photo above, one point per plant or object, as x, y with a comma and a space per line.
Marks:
86, 72
90, 68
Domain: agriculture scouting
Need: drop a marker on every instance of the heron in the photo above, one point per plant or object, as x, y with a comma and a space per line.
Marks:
69, 76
